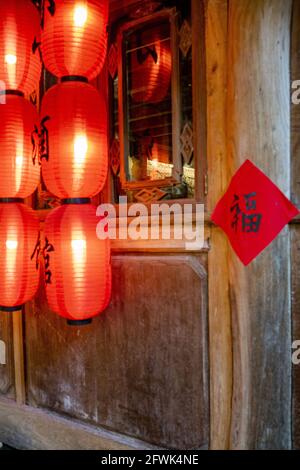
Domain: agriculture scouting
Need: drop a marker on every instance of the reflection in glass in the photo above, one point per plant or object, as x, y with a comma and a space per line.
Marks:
152, 107
149, 72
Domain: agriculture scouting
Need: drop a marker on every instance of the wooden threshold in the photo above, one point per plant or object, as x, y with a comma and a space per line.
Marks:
26, 428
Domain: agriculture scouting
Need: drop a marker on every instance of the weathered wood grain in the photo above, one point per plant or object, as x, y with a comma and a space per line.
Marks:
141, 368
295, 247
259, 129
24, 427
7, 380
295, 127
218, 276
295, 250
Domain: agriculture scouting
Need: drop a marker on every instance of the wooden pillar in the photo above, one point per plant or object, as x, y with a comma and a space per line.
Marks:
219, 302
259, 129
19, 357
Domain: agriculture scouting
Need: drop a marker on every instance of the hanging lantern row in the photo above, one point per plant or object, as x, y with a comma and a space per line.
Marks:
20, 69
72, 142
75, 158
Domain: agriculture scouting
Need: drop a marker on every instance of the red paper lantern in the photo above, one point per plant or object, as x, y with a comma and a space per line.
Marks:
74, 118
20, 65
74, 37
20, 171
78, 271
151, 68
19, 249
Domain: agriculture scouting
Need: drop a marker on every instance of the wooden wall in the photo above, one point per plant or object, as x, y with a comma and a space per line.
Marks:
259, 128
140, 368
248, 59
295, 234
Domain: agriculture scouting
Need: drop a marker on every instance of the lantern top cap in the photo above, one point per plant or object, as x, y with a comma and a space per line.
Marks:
11, 309
88, 321
12, 92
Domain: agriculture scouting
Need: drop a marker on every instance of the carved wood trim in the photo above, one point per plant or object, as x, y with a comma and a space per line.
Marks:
186, 39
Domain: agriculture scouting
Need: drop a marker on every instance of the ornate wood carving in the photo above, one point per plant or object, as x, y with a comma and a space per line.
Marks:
185, 35
115, 156
187, 142
149, 195
113, 61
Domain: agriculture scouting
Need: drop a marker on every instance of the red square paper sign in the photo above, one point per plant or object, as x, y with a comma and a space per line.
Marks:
252, 212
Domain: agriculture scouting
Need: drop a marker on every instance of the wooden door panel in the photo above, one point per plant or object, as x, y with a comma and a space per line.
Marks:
141, 368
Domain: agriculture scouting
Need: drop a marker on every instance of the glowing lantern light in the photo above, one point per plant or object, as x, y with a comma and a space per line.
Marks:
74, 37
151, 68
19, 267
80, 15
78, 271
20, 65
20, 172
10, 59
160, 153
76, 163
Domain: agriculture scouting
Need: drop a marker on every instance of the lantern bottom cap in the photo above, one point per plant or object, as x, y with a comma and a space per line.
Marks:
76, 200
74, 78
88, 321
10, 309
